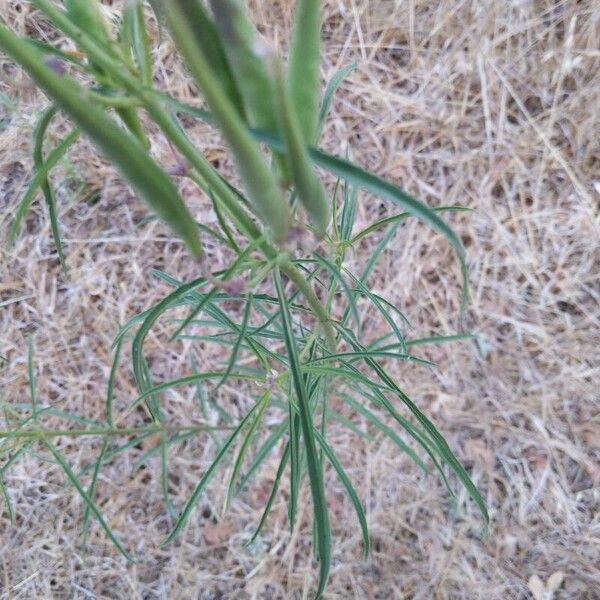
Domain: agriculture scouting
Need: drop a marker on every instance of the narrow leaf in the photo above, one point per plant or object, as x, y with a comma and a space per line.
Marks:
332, 86
238, 343
124, 151
388, 431
109, 421
239, 461
339, 469
314, 467
193, 500
38, 179
282, 464
88, 501
38, 161
262, 453
402, 217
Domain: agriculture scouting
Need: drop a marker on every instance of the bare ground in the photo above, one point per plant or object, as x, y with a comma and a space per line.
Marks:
491, 104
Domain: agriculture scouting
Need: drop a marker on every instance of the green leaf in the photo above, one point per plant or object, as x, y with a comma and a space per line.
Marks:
377, 252
335, 273
433, 434
88, 501
332, 86
315, 472
439, 440
38, 161
348, 424
401, 217
204, 401
206, 298
229, 239
161, 387
387, 431
363, 289
434, 339
384, 189
352, 356
262, 453
236, 347
122, 150
55, 412
348, 211
294, 441
92, 491
239, 461
193, 500
232, 269
14, 456
40, 176
134, 29
150, 318
380, 400
282, 464
339, 469
260, 351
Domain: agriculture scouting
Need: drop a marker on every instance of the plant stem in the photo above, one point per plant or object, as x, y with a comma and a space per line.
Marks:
324, 319
39, 434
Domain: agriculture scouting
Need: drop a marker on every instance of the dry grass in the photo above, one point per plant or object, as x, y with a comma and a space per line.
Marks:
489, 104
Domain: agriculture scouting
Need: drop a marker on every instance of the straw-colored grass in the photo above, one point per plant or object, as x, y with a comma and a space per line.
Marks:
493, 105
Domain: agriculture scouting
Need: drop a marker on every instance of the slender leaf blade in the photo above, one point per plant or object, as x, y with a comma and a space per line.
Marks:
125, 152
38, 179
314, 467
38, 161
88, 501
193, 499
339, 469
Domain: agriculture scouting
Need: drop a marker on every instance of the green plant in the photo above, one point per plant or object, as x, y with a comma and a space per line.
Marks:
289, 332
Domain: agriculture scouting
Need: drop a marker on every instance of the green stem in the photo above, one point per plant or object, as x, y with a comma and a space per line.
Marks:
115, 101
39, 434
324, 318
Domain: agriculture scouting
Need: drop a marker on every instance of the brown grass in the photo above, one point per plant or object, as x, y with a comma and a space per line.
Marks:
489, 104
